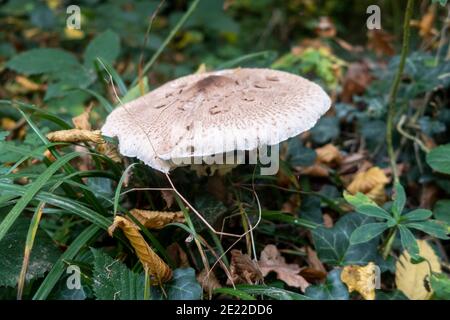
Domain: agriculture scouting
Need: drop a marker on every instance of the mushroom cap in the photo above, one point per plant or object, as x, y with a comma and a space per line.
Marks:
216, 112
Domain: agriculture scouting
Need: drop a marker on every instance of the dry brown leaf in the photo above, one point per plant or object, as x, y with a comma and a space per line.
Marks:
361, 279
327, 156
272, 260
243, 269
380, 42
152, 263
426, 23
177, 254
168, 197
371, 183
313, 260
157, 219
356, 80
209, 281
76, 135
7, 124
412, 279
28, 84
110, 151
82, 121
429, 196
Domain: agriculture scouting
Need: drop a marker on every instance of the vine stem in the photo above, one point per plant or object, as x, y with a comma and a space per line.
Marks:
387, 246
394, 88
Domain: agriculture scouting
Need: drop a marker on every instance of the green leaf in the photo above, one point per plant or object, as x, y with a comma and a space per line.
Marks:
298, 155
43, 255
417, 215
183, 286
326, 129
283, 217
60, 266
364, 205
399, 199
242, 295
367, 232
106, 46
439, 159
112, 280
32, 190
393, 295
440, 283
409, 242
332, 289
43, 60
442, 210
333, 244
432, 227
210, 208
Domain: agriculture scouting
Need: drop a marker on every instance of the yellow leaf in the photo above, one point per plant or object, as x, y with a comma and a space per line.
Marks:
110, 151
412, 279
73, 34
156, 219
152, 263
371, 183
361, 279
329, 154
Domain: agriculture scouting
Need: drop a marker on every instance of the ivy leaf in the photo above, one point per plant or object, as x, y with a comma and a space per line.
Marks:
441, 210
439, 159
399, 199
409, 242
299, 155
326, 129
367, 232
183, 286
441, 2
43, 256
417, 215
333, 244
105, 46
45, 60
332, 289
432, 227
114, 281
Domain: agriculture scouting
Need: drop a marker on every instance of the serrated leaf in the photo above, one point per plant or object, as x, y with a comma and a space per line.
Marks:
45, 60
332, 289
112, 280
43, 255
367, 232
333, 244
106, 46
439, 159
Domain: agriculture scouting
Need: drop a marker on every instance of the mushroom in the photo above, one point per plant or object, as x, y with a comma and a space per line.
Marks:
215, 113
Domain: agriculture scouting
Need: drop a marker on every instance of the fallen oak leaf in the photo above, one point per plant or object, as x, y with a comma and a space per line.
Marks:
76, 135
272, 260
361, 279
156, 219
152, 263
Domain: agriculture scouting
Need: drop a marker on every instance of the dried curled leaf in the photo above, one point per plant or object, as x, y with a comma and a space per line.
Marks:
371, 183
82, 121
110, 151
152, 263
272, 260
413, 279
243, 269
361, 279
157, 219
327, 156
76, 135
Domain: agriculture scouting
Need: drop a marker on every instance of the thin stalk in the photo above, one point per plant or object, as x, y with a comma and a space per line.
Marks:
387, 246
395, 86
